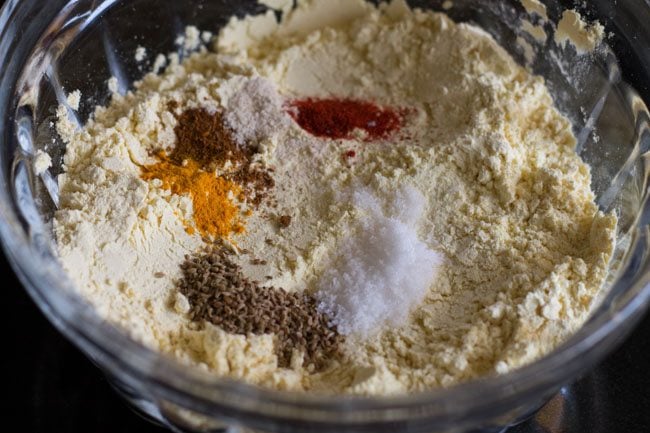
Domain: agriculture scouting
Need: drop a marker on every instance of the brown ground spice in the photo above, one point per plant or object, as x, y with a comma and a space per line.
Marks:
204, 146
284, 221
204, 138
219, 293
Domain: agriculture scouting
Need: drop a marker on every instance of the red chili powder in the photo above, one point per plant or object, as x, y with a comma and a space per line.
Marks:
338, 118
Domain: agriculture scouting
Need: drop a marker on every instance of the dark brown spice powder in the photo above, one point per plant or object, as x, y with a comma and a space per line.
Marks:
203, 137
284, 221
219, 293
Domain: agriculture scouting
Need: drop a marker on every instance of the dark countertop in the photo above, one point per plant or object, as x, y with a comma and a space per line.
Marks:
52, 387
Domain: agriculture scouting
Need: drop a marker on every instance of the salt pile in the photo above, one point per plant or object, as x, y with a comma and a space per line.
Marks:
383, 269
254, 112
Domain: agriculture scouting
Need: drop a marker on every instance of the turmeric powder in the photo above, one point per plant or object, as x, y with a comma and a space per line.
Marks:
204, 144
202, 136
215, 213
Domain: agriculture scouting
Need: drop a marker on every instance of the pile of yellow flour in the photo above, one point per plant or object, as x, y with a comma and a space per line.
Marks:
507, 201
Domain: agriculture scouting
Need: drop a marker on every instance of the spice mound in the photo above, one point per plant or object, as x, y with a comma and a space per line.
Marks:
205, 138
204, 147
218, 292
340, 118
351, 199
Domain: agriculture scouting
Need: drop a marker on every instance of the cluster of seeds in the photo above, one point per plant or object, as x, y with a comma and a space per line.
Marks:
219, 293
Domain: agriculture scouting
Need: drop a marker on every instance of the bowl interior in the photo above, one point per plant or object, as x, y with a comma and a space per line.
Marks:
90, 42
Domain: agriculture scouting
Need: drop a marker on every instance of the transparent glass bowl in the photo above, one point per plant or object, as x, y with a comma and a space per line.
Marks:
49, 47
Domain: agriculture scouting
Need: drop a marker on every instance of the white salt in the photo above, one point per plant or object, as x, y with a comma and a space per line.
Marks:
254, 112
408, 206
383, 270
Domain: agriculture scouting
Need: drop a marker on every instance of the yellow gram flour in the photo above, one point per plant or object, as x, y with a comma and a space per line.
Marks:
508, 202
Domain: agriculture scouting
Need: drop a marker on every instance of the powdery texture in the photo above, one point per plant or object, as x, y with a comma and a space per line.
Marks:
382, 270
254, 111
573, 30
74, 99
42, 162
508, 202
140, 54
535, 7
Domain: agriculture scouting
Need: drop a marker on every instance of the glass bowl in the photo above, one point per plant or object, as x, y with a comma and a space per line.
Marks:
47, 48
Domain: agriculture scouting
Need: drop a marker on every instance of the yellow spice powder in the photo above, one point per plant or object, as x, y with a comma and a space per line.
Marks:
215, 212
